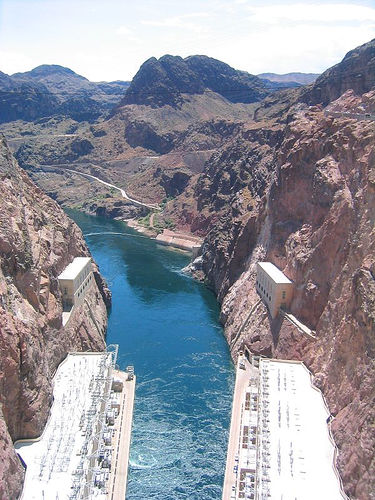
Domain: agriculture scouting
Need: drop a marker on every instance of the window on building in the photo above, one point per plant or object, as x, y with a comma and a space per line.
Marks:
283, 295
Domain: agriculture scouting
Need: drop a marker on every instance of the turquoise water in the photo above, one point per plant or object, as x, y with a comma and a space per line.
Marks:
166, 324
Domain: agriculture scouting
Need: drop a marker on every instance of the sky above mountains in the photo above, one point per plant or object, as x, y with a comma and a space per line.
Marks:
110, 39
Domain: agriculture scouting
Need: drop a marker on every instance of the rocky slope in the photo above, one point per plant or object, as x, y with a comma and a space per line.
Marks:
150, 152
176, 113
302, 195
37, 241
356, 72
317, 225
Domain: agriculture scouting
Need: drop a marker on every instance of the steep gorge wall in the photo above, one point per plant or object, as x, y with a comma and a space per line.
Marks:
37, 241
314, 218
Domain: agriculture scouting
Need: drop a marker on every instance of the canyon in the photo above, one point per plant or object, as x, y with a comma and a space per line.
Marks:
260, 174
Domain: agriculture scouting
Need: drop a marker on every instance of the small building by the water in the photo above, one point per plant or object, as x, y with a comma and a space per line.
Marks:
274, 287
75, 280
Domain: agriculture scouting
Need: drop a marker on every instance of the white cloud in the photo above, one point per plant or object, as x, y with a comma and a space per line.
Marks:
283, 49
312, 13
123, 30
14, 62
127, 34
183, 21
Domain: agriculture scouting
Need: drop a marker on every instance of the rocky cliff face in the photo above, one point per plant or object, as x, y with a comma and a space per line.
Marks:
356, 72
303, 197
37, 241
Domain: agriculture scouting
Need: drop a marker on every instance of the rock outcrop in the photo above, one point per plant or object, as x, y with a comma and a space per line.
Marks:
24, 100
37, 241
356, 72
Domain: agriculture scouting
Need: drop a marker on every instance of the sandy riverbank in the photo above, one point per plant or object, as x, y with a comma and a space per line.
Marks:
182, 241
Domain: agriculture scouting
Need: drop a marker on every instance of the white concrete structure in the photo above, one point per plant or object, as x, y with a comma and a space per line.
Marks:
297, 455
274, 287
63, 464
75, 280
284, 450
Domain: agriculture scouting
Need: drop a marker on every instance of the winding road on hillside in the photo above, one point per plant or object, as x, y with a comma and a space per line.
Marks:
122, 191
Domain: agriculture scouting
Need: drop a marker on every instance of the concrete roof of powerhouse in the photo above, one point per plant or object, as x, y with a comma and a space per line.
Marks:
53, 458
274, 273
74, 268
301, 453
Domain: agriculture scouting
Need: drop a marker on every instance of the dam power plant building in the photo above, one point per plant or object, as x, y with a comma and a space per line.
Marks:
83, 452
280, 446
274, 287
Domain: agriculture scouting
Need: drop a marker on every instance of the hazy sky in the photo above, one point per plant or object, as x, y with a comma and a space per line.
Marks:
110, 39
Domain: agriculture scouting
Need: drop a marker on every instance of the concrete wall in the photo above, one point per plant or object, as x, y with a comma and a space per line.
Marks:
81, 276
81, 291
67, 289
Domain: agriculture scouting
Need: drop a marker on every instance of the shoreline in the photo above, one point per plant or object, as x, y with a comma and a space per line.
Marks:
174, 239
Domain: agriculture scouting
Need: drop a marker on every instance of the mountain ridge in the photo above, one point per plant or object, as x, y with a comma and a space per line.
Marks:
163, 81
293, 77
49, 90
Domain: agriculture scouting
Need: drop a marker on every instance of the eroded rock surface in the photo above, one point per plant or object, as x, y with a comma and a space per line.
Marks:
37, 241
307, 203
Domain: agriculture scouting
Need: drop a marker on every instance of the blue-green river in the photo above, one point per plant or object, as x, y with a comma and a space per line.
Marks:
166, 325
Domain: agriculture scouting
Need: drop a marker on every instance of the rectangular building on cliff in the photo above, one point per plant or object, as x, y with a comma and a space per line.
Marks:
75, 280
274, 287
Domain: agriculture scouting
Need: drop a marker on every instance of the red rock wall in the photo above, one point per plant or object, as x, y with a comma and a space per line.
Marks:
316, 222
37, 241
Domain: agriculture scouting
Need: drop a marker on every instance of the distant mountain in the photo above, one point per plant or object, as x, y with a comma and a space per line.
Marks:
290, 78
163, 81
62, 82
24, 99
116, 88
52, 89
